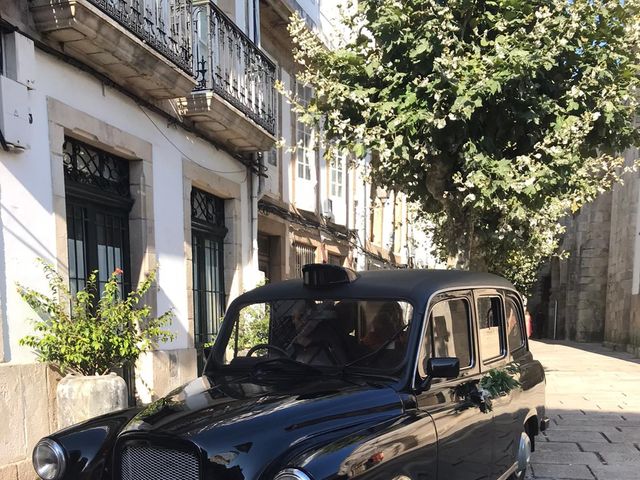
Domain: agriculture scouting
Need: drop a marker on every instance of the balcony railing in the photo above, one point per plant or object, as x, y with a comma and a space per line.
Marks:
162, 24
229, 63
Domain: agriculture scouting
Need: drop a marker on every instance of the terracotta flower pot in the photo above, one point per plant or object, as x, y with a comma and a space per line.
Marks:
82, 397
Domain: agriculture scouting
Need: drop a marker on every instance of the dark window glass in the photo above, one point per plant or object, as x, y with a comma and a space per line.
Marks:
490, 327
207, 247
514, 325
352, 333
335, 259
448, 333
98, 204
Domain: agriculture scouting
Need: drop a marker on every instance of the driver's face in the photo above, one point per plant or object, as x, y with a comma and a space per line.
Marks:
297, 318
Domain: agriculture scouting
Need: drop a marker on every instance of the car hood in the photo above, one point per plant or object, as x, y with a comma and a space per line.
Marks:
244, 428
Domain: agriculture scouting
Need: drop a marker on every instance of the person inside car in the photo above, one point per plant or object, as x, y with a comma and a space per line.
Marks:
317, 341
387, 327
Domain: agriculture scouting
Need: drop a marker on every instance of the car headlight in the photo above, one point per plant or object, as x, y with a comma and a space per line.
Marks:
49, 459
292, 474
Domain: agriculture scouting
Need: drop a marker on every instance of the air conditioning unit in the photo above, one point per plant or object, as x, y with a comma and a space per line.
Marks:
327, 208
15, 115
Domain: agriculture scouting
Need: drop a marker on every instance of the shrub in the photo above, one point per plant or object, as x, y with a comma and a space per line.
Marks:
92, 333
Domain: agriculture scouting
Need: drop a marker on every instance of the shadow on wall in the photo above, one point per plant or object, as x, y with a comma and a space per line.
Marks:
32, 243
5, 353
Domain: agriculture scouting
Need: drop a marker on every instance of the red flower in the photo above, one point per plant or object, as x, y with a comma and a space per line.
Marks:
118, 271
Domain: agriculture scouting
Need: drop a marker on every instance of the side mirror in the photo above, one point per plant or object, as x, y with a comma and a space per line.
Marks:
444, 367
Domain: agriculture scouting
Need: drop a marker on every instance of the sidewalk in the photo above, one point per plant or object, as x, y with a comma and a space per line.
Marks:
593, 401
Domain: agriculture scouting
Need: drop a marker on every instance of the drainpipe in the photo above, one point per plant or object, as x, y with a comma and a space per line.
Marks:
254, 187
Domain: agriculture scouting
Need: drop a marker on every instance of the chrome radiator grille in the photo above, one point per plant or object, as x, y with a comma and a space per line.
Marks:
141, 462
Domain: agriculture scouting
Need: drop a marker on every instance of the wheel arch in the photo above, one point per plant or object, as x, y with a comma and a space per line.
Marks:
532, 426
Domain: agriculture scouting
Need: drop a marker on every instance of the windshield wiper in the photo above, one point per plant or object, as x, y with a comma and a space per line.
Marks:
284, 365
378, 350
346, 371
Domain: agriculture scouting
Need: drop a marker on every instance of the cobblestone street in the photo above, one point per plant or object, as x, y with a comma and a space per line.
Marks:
593, 401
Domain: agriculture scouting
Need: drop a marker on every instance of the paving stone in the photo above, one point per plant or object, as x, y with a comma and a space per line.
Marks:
562, 427
542, 447
616, 458
564, 458
608, 447
580, 472
595, 414
616, 472
623, 437
575, 436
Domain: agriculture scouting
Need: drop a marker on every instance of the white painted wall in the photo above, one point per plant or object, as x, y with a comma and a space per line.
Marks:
27, 228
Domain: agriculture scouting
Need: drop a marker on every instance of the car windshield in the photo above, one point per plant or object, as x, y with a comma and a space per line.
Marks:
369, 334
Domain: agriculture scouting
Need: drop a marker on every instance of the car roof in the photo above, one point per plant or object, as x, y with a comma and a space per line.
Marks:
414, 285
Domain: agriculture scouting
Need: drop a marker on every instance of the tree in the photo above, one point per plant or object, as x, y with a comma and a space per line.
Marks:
496, 117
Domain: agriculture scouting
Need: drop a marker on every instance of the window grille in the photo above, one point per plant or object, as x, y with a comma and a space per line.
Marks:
207, 210
98, 204
304, 254
88, 166
207, 250
98, 201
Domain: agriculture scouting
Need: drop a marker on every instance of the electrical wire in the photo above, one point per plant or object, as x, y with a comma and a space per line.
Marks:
266, 207
139, 101
229, 172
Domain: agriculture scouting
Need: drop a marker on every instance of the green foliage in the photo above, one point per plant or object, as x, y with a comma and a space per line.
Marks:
497, 117
500, 381
88, 335
253, 325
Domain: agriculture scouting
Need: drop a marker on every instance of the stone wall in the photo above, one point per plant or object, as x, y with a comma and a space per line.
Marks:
27, 401
624, 211
594, 290
579, 282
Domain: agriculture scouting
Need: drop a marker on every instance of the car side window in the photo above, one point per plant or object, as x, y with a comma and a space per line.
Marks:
448, 333
490, 334
514, 325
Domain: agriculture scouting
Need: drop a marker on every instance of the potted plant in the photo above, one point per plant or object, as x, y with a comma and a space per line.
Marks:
88, 335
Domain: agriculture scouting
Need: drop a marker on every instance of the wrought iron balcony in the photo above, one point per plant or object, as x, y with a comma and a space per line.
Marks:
164, 25
231, 65
144, 45
233, 68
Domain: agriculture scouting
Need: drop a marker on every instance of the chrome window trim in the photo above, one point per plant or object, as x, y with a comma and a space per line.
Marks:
472, 356
427, 309
504, 347
521, 320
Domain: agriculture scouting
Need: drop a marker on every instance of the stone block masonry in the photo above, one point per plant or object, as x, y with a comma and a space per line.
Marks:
27, 400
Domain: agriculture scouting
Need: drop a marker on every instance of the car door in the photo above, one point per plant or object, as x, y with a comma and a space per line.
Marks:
464, 431
513, 407
494, 355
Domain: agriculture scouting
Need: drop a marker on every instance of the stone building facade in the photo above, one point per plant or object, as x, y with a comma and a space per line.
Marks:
593, 294
140, 134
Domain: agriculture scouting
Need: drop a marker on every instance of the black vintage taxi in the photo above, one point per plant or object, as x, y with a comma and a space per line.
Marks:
386, 375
